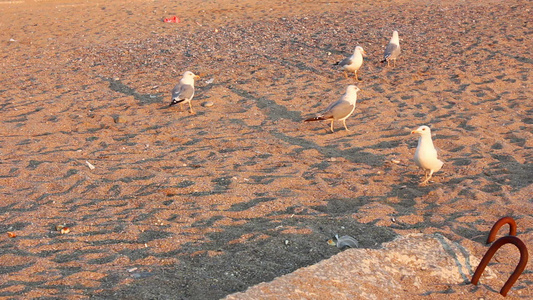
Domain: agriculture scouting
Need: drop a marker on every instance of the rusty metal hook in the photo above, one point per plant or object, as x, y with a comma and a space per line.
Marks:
498, 225
488, 256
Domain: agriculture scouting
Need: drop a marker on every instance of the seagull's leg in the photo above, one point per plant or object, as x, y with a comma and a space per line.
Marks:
428, 178
394, 62
425, 176
345, 74
181, 107
344, 122
430, 174
355, 75
388, 62
332, 126
190, 106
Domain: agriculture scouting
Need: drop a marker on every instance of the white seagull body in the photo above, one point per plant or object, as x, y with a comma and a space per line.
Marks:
184, 90
426, 154
392, 51
341, 109
354, 62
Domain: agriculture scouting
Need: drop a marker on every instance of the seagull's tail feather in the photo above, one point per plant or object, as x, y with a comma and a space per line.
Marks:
176, 101
315, 119
386, 57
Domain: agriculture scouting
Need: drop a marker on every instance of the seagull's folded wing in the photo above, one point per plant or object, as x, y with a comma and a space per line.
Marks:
338, 110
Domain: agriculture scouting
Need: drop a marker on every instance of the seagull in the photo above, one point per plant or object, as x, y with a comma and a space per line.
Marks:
426, 154
341, 109
353, 63
184, 91
392, 50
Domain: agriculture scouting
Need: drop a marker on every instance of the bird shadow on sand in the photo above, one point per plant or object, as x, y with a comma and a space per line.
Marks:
118, 86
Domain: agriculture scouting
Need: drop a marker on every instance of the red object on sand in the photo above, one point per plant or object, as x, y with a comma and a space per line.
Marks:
173, 19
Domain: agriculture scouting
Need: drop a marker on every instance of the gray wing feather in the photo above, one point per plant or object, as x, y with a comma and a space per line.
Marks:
183, 91
345, 62
392, 51
338, 110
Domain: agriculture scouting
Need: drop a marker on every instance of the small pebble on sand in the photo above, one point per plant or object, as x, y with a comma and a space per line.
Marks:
208, 104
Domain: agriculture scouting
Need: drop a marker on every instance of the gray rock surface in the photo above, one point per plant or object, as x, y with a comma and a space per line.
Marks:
412, 266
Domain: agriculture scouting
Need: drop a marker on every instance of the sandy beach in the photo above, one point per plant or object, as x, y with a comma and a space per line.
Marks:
199, 206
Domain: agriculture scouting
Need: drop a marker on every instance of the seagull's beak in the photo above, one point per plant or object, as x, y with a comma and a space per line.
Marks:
363, 52
414, 131
197, 77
